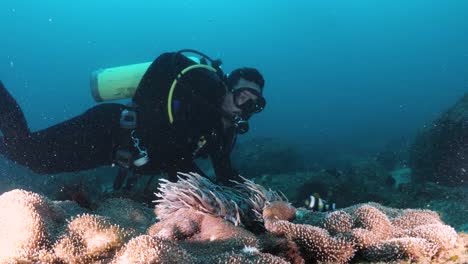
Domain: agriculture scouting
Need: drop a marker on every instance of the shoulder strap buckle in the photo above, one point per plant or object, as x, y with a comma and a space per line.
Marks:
128, 117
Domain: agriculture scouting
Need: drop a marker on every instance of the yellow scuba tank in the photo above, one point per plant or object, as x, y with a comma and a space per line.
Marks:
119, 82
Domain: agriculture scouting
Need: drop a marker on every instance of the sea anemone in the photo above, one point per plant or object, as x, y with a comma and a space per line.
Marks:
193, 191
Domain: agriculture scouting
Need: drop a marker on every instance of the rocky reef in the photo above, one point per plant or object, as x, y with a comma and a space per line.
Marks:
197, 221
440, 152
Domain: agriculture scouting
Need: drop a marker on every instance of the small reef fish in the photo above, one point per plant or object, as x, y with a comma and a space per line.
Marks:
315, 203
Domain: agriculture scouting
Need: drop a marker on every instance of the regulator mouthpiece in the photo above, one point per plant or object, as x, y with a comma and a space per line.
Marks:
241, 125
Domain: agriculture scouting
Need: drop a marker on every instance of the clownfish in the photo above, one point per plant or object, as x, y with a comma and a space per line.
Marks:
315, 203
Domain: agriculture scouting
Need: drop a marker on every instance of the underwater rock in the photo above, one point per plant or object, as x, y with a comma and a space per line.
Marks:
259, 156
440, 153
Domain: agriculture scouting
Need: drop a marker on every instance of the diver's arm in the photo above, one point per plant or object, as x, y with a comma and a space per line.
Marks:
223, 168
220, 155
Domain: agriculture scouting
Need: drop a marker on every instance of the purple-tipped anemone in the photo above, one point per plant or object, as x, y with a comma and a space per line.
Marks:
193, 191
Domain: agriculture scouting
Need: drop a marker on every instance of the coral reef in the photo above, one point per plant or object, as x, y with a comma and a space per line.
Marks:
198, 221
380, 233
439, 153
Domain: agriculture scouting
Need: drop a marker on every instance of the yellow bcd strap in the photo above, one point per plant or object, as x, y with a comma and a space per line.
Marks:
174, 84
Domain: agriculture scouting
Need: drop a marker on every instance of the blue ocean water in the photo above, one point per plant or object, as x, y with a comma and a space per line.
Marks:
344, 81
344, 75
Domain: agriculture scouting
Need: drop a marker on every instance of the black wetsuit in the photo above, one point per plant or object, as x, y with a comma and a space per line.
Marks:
92, 138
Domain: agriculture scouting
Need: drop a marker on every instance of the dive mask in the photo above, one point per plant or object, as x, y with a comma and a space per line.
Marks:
250, 106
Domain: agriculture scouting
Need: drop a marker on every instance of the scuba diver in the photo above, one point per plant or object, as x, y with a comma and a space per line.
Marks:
181, 110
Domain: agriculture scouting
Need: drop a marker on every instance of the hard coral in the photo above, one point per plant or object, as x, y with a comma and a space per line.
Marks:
27, 223
412, 218
89, 237
133, 216
148, 249
370, 226
443, 236
337, 222
372, 219
412, 248
316, 243
384, 234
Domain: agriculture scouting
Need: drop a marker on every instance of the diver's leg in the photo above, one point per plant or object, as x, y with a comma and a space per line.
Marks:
12, 122
84, 142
